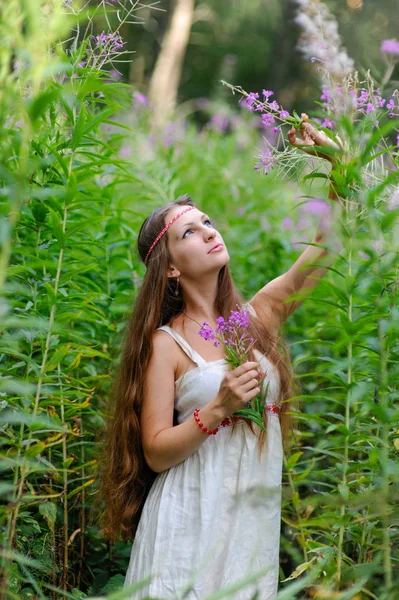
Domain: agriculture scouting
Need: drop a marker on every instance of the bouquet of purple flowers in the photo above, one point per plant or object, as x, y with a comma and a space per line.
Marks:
237, 344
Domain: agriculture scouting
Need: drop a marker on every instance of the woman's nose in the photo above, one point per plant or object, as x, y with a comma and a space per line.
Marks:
211, 232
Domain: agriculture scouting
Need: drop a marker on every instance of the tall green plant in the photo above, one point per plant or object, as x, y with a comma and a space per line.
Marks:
59, 165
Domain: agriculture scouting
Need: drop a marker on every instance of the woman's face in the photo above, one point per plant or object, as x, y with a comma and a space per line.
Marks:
191, 239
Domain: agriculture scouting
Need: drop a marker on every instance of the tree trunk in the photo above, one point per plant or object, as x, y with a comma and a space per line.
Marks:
164, 83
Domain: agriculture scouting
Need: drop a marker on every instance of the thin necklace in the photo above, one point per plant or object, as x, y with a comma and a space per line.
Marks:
184, 313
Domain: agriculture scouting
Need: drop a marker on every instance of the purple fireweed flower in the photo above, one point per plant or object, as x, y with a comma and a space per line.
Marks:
380, 101
267, 120
327, 96
267, 93
284, 114
274, 105
328, 123
115, 74
239, 318
206, 331
221, 324
362, 100
390, 47
316, 206
218, 123
140, 98
238, 346
249, 101
287, 223
173, 132
125, 151
266, 162
302, 224
275, 130
108, 43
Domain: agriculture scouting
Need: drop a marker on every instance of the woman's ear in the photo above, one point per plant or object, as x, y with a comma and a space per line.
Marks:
173, 272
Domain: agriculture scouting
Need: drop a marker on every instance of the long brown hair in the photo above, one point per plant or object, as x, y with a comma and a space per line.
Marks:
125, 477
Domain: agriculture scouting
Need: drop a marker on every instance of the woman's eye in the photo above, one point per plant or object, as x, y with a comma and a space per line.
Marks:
206, 221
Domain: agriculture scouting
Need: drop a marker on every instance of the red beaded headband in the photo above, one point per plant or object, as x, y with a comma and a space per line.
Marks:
165, 229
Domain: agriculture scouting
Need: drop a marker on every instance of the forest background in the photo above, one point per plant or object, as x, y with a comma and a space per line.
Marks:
108, 110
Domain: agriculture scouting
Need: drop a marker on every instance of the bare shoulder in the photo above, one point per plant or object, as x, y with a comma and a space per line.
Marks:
165, 347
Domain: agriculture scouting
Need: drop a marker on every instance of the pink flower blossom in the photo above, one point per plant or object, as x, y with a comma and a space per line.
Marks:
267, 120
266, 162
390, 47
288, 223
140, 99
316, 206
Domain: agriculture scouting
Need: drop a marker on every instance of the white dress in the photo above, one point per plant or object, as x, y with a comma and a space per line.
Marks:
213, 519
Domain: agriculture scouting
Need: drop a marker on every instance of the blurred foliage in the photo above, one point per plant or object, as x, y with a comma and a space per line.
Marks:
253, 44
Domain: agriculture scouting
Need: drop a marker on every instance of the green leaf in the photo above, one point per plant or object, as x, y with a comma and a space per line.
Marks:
35, 449
38, 106
79, 127
49, 511
57, 228
39, 211
380, 133
389, 219
80, 488
301, 569
293, 459
314, 176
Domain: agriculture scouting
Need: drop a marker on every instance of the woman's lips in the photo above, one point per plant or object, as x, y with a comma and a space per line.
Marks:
216, 248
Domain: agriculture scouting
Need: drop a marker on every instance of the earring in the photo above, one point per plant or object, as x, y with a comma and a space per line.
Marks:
177, 287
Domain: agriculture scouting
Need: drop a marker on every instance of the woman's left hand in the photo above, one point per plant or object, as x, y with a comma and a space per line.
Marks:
313, 139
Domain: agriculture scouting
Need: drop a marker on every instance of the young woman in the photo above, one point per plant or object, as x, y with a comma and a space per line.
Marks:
200, 490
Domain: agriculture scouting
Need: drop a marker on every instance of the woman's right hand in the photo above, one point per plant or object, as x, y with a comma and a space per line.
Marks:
238, 387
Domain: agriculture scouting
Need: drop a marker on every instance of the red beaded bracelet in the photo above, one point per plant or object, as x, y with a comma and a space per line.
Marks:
201, 425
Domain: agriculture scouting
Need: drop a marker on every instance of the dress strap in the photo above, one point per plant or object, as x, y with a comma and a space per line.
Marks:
185, 346
250, 309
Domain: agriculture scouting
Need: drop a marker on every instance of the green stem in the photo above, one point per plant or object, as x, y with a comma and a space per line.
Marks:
25, 465
65, 487
347, 424
295, 502
384, 455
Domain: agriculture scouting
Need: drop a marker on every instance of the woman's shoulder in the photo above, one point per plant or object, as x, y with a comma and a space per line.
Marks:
162, 341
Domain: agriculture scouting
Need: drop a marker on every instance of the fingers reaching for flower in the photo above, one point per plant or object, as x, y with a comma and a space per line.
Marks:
312, 140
